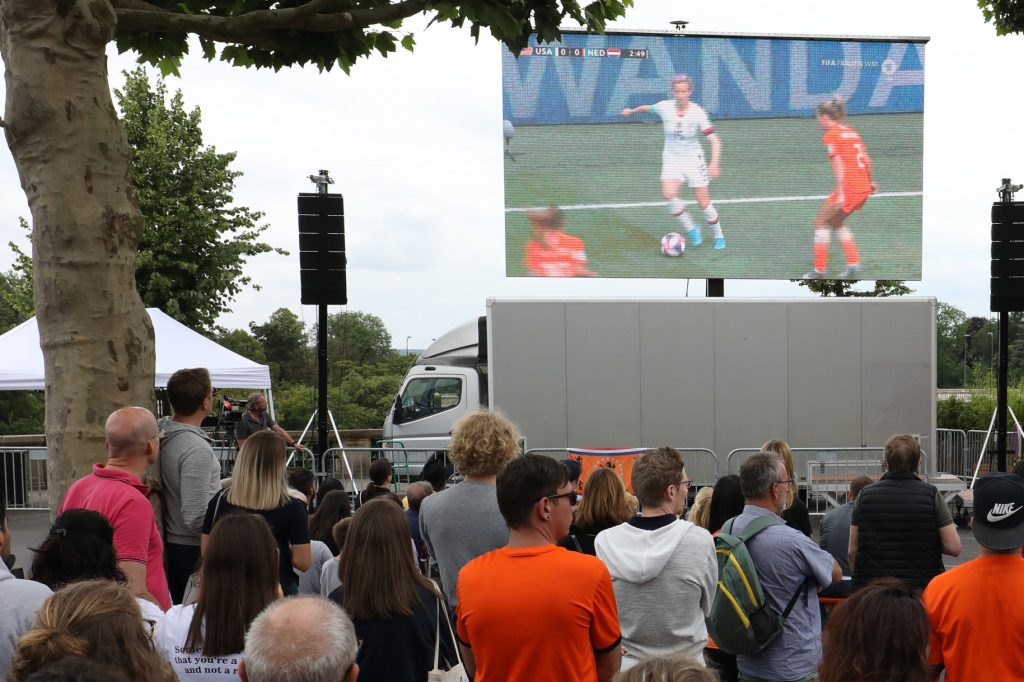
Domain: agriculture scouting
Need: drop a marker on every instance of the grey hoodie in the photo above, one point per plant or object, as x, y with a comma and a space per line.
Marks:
664, 580
19, 601
190, 474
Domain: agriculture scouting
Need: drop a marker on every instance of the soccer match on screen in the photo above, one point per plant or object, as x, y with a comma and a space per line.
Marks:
686, 156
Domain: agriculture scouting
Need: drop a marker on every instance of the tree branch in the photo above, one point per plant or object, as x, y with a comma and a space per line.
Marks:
137, 15
136, 4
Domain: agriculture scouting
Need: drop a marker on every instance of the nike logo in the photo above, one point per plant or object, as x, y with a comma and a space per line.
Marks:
1002, 511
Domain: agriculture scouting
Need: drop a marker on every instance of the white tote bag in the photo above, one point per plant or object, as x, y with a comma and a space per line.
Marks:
458, 671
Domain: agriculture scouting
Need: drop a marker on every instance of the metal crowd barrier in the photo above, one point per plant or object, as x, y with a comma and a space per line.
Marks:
951, 455
24, 478
820, 472
824, 474
351, 465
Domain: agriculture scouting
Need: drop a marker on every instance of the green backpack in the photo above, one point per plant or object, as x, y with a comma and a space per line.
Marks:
741, 620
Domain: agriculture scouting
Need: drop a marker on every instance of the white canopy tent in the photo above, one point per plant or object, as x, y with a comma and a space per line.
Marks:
177, 346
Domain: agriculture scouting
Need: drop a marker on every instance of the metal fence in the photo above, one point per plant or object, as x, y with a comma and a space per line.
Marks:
23, 477
951, 454
823, 475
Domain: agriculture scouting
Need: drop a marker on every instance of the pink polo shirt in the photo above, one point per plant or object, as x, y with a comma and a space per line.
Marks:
121, 498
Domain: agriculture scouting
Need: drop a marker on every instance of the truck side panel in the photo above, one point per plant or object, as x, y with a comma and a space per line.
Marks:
825, 392
603, 354
678, 373
529, 354
751, 374
716, 374
899, 372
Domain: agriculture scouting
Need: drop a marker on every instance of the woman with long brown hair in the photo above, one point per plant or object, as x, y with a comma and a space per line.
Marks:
605, 504
95, 619
237, 580
879, 634
795, 514
397, 612
259, 484
334, 507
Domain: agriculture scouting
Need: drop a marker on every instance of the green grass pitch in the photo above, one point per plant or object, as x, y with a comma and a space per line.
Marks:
585, 168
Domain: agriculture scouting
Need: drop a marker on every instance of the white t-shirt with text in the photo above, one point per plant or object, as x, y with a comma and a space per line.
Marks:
191, 666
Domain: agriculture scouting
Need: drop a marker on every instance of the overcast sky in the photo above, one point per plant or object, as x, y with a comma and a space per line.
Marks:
414, 143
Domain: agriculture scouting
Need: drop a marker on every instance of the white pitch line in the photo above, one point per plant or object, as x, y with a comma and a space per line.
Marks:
748, 200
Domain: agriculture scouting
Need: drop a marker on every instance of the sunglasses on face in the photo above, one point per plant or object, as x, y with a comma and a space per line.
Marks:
573, 497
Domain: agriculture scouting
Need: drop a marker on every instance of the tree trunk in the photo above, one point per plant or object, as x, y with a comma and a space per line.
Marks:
72, 158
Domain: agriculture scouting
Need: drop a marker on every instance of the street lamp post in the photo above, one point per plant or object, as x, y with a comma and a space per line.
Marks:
407, 345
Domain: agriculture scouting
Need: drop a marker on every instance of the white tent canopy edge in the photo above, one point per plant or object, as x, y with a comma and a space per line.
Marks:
177, 346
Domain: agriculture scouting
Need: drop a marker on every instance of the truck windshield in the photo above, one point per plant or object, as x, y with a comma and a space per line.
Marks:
425, 396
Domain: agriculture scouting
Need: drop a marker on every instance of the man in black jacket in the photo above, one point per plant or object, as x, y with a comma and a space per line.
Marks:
900, 526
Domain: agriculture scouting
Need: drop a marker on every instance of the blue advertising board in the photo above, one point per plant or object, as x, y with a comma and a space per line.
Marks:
591, 78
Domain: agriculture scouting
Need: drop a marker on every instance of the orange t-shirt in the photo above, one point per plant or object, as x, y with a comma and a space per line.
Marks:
977, 619
562, 255
538, 613
845, 143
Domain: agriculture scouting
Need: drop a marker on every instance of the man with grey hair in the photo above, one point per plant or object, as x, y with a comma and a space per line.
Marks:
787, 562
256, 419
657, 558
300, 639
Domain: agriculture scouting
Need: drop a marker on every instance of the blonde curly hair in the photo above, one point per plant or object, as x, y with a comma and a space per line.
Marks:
483, 443
95, 619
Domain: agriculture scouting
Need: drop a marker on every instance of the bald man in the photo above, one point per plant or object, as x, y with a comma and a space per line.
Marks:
300, 638
115, 490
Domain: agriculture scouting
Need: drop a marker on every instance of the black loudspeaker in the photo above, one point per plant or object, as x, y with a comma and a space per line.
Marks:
1007, 257
322, 249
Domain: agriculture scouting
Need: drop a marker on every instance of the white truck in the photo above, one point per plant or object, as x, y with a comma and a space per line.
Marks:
709, 373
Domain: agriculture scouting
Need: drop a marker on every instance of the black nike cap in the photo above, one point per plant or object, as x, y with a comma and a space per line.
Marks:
999, 511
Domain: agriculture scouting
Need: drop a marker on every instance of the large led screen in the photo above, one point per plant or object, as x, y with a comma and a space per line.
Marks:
671, 155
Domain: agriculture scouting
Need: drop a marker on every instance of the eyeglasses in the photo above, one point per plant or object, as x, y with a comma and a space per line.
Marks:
686, 483
573, 497
786, 482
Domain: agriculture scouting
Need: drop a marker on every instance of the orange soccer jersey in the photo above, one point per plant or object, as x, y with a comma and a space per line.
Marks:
845, 143
563, 256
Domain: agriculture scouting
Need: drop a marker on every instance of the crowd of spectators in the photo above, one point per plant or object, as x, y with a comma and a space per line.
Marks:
524, 570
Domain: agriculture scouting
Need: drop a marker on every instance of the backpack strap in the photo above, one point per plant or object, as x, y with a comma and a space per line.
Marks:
756, 526
801, 589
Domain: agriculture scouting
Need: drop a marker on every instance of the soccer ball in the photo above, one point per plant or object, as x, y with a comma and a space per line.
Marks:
673, 244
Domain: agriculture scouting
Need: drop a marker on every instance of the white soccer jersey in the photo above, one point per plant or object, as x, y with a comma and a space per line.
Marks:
682, 133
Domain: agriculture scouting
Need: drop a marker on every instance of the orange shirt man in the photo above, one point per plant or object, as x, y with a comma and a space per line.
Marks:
977, 620
514, 603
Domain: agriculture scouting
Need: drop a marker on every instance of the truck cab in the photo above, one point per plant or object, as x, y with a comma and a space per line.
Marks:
448, 380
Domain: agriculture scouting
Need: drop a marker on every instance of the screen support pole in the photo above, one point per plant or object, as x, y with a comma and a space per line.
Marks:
716, 288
